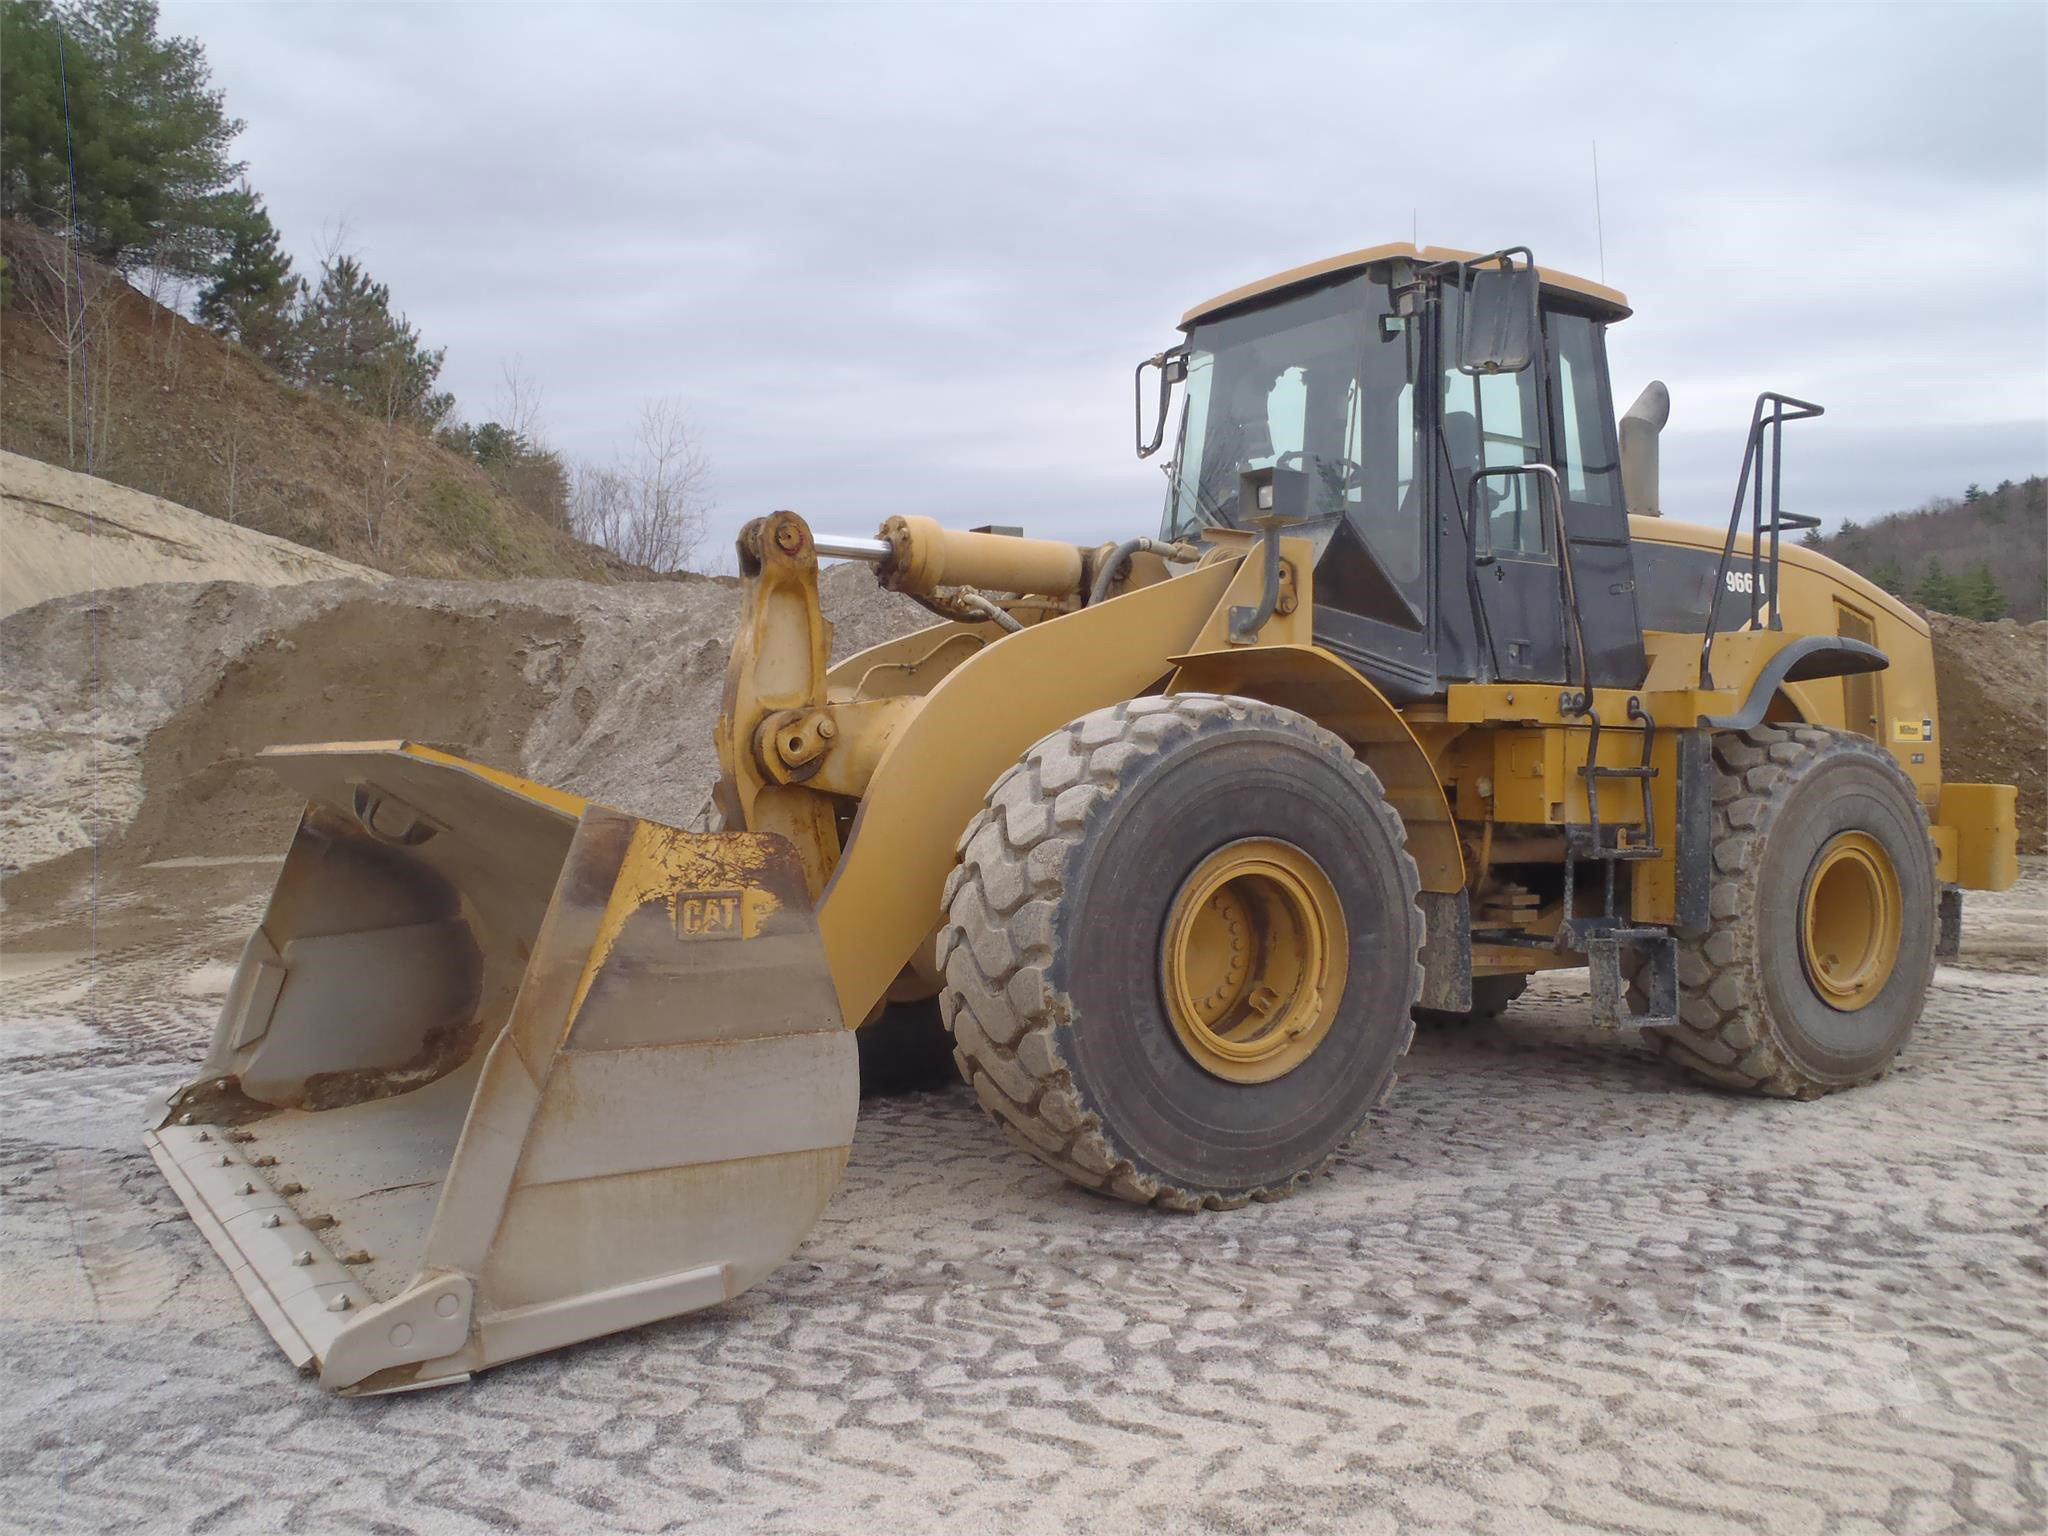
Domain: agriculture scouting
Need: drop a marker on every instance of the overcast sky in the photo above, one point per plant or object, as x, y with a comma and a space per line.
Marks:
903, 258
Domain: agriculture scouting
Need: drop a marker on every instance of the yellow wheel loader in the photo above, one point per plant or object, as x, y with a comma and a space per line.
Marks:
1414, 694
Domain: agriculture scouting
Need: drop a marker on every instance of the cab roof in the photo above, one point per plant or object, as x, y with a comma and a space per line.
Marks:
1611, 300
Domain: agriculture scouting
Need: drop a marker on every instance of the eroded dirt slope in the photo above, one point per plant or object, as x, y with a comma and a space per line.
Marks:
129, 720
1992, 680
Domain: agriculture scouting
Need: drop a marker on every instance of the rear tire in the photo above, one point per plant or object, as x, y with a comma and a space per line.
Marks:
1492, 996
1088, 878
1816, 964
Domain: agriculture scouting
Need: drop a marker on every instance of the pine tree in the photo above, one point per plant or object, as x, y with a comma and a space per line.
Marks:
348, 344
1972, 492
1888, 576
148, 136
1978, 595
253, 292
529, 472
1937, 589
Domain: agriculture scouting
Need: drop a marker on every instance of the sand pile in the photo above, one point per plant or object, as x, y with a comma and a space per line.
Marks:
1992, 680
66, 532
130, 718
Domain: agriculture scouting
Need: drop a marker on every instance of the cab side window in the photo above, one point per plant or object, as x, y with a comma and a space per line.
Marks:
1492, 422
1587, 457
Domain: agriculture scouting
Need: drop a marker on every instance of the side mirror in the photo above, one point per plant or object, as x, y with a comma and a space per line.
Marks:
1497, 329
1173, 368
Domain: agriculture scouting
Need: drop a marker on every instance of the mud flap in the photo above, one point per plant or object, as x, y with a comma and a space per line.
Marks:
503, 1070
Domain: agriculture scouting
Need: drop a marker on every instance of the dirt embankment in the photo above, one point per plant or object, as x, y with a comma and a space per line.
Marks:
129, 719
154, 402
1992, 680
65, 532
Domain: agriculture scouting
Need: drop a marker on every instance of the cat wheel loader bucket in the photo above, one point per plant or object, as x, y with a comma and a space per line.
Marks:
502, 1070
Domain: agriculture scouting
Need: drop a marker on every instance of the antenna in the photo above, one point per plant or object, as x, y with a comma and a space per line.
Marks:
1599, 224
1415, 227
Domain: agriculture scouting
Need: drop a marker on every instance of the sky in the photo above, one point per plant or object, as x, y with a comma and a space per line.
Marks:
904, 258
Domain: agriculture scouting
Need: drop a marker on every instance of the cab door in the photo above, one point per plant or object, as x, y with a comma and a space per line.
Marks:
1499, 533
1496, 421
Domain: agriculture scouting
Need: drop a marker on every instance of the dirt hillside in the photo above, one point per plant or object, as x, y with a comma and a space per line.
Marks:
178, 413
1992, 680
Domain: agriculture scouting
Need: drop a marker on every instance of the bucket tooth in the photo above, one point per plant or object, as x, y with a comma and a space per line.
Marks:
502, 1070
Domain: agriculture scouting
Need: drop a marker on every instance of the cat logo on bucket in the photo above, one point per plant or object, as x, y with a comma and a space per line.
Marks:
710, 915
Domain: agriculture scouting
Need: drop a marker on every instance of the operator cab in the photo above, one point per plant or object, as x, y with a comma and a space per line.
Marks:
1422, 416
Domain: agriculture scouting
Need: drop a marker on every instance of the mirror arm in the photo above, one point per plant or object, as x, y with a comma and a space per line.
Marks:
1172, 366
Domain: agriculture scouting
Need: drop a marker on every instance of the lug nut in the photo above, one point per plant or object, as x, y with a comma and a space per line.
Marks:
302, 1258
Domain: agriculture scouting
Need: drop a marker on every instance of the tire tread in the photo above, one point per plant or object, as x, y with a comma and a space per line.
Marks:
996, 946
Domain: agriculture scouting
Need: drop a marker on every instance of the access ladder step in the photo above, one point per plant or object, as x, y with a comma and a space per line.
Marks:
1583, 846
1656, 953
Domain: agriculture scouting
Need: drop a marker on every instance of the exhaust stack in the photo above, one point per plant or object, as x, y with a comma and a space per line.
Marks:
1639, 429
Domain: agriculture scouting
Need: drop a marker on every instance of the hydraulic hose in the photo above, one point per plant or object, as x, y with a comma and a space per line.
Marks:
1105, 575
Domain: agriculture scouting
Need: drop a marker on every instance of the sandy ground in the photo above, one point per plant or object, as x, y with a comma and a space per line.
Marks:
1556, 1287
65, 532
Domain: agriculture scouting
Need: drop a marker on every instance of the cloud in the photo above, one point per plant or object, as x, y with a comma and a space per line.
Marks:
903, 258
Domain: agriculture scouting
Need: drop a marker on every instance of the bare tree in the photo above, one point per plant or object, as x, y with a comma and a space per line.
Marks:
649, 507
601, 506
384, 487
230, 456
73, 300
520, 397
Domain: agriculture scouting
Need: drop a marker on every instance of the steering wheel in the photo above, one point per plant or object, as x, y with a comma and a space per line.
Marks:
1351, 476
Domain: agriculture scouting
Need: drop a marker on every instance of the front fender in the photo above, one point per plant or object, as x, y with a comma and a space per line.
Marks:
884, 897
1316, 683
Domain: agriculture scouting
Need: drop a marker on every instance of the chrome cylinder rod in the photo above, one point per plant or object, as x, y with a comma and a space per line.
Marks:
832, 546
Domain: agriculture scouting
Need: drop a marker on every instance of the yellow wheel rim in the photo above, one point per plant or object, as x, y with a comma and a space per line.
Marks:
1254, 960
1850, 925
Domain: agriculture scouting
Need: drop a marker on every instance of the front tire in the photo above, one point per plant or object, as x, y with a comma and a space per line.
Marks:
1181, 950
1816, 965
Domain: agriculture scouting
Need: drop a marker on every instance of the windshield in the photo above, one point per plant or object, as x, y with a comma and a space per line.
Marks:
1313, 385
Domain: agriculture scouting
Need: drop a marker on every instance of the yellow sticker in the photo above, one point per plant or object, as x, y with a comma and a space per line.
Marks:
1913, 730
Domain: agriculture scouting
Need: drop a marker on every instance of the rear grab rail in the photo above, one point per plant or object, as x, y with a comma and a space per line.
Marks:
1769, 417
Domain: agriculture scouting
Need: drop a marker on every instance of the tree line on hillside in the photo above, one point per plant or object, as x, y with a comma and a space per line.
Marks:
1981, 555
113, 138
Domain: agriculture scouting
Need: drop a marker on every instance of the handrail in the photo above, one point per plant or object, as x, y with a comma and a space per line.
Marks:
1783, 408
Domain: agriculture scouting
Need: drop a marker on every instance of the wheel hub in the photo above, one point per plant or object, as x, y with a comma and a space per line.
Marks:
1254, 960
1850, 921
